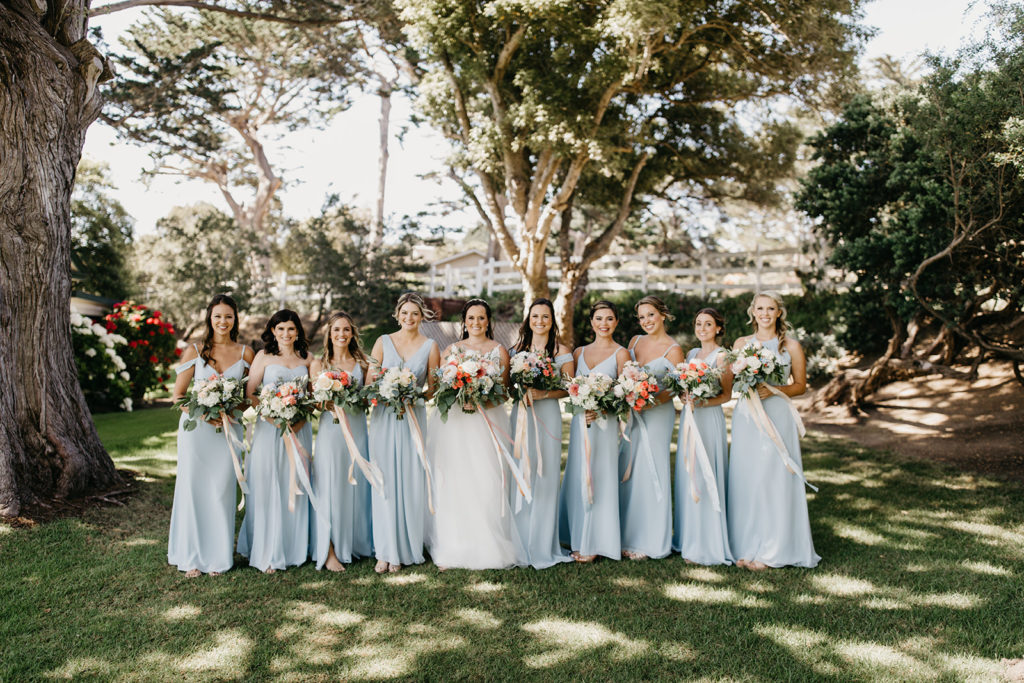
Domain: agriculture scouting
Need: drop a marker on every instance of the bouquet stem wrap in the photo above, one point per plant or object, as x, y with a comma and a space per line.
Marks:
504, 457
297, 460
767, 427
694, 452
370, 470
645, 448
421, 451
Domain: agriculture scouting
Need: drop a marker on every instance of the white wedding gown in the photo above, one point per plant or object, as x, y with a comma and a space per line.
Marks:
472, 527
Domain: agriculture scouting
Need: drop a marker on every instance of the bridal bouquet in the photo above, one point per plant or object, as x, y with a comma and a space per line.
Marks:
285, 403
635, 388
337, 387
590, 392
754, 364
396, 388
533, 370
210, 397
694, 378
468, 378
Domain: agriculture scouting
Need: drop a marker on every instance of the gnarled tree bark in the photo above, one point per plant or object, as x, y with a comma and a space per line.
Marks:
49, 447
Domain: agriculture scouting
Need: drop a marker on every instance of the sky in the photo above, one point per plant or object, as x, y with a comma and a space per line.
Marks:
343, 158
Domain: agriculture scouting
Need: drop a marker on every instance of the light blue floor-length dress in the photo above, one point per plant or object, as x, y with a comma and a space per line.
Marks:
645, 499
398, 515
203, 514
592, 529
768, 519
700, 533
347, 506
537, 521
272, 536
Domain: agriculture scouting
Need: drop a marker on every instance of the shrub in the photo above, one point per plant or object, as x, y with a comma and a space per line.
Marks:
102, 372
150, 345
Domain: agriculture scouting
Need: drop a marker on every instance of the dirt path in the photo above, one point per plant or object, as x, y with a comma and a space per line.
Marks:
977, 426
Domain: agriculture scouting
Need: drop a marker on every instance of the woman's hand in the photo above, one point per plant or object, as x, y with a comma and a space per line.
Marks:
533, 395
216, 421
590, 416
763, 391
469, 408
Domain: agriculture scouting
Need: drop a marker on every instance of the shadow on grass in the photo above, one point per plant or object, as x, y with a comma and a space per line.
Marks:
921, 579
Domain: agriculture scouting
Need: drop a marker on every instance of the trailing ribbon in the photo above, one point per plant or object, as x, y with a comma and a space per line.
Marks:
645, 446
421, 451
297, 459
369, 469
520, 450
767, 427
694, 452
588, 479
230, 437
502, 453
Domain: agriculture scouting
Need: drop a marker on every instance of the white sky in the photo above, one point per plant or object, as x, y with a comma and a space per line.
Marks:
343, 158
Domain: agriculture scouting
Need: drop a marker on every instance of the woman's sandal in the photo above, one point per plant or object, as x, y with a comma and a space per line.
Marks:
583, 559
193, 573
394, 568
381, 567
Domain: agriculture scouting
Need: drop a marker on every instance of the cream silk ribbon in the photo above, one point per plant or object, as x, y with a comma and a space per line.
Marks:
693, 453
230, 438
645, 448
503, 454
767, 427
421, 451
369, 469
297, 462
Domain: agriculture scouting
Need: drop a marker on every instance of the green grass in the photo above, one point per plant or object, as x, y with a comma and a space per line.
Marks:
921, 580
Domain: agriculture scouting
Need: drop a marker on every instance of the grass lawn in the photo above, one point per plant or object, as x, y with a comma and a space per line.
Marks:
921, 580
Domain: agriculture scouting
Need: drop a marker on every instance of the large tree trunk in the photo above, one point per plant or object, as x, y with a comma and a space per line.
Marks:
48, 443
384, 124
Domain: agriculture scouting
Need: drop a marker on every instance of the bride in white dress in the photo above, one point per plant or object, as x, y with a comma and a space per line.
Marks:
473, 526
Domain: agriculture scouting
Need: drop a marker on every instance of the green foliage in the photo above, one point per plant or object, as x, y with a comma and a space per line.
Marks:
342, 271
102, 372
197, 252
101, 234
150, 349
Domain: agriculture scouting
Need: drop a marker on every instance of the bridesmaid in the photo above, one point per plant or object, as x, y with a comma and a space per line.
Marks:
347, 506
768, 521
398, 522
593, 529
203, 515
538, 521
645, 497
272, 536
701, 535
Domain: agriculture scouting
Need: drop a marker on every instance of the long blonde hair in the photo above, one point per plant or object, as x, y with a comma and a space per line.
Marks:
781, 326
413, 297
355, 347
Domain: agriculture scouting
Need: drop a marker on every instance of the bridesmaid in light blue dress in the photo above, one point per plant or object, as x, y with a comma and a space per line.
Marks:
700, 533
768, 520
645, 497
347, 507
592, 529
201, 539
398, 515
537, 521
272, 536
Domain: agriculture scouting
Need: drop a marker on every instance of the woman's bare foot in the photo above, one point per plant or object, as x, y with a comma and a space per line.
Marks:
583, 559
215, 573
193, 573
394, 568
381, 567
633, 555
741, 563
269, 570
756, 566
333, 564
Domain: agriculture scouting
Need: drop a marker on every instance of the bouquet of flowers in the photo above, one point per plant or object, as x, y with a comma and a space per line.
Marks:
468, 378
337, 387
590, 392
285, 403
754, 364
533, 370
694, 378
210, 397
395, 388
635, 388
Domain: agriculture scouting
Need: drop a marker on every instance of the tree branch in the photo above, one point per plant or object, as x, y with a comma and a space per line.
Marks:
211, 7
599, 246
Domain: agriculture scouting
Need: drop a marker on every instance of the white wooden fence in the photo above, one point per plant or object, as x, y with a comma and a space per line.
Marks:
704, 272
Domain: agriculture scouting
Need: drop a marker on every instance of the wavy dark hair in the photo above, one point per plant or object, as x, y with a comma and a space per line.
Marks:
487, 307
355, 346
525, 340
207, 351
270, 344
717, 317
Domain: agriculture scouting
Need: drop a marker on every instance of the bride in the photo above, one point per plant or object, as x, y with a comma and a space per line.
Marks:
473, 526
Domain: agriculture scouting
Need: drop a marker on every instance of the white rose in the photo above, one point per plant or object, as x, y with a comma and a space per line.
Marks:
470, 367
753, 362
487, 383
323, 383
90, 352
276, 404
250, 414
125, 376
98, 330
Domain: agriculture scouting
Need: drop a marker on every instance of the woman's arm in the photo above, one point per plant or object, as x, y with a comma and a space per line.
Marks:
259, 364
433, 363
726, 394
377, 363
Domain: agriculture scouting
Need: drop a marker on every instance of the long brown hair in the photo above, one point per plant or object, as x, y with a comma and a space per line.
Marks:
719, 321
207, 351
487, 307
525, 340
355, 345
